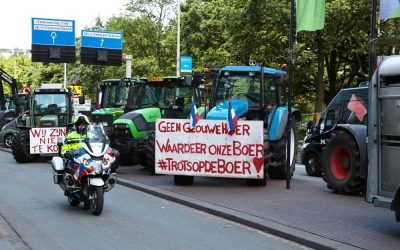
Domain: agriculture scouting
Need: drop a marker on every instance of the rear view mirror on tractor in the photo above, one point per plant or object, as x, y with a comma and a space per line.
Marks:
82, 99
278, 81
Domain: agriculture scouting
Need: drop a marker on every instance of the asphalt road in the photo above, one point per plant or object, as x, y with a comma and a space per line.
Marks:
36, 215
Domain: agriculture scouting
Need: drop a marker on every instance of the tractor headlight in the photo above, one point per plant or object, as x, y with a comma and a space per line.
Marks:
121, 126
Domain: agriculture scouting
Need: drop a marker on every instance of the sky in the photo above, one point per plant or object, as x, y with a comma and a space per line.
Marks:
16, 17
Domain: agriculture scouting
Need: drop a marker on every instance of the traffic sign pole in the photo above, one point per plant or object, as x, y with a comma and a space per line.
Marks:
65, 76
128, 73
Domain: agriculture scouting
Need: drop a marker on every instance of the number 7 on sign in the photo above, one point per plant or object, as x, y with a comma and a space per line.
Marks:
101, 42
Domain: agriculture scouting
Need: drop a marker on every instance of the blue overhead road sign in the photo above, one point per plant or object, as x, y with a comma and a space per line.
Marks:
53, 32
186, 64
101, 39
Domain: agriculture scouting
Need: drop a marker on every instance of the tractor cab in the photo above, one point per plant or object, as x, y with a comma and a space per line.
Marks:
158, 97
172, 95
50, 107
249, 91
114, 98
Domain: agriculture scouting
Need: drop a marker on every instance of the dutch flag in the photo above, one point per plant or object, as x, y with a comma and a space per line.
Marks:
232, 119
194, 115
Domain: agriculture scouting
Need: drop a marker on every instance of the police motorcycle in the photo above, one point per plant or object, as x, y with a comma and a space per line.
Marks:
87, 173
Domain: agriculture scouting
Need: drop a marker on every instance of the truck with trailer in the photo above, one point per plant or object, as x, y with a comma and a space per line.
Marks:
363, 159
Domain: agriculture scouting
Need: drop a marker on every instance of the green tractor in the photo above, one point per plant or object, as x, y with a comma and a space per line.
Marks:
114, 97
50, 109
158, 97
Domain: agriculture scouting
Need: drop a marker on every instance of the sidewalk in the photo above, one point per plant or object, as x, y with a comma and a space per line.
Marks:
262, 224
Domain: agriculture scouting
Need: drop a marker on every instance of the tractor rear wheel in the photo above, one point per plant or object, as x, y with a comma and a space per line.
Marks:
341, 164
151, 154
183, 180
126, 159
20, 147
277, 168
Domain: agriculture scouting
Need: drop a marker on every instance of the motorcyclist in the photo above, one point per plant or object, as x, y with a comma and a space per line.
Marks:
73, 140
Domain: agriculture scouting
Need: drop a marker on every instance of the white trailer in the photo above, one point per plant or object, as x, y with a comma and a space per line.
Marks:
383, 182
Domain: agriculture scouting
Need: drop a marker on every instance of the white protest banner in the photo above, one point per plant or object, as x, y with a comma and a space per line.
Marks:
80, 107
44, 140
208, 149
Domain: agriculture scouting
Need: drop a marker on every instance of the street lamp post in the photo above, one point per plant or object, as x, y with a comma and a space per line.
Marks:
178, 41
128, 70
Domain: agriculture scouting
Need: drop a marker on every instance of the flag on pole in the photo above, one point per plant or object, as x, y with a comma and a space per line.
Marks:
310, 15
389, 9
232, 119
194, 115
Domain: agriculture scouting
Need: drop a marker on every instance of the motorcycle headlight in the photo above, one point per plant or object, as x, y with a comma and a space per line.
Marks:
86, 162
97, 167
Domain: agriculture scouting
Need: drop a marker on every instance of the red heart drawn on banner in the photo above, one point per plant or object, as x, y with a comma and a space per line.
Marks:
258, 163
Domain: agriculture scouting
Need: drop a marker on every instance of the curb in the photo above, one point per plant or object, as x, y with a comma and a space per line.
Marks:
5, 149
9, 238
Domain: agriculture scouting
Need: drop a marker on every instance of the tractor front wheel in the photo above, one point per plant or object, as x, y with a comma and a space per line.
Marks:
20, 147
278, 163
312, 164
8, 140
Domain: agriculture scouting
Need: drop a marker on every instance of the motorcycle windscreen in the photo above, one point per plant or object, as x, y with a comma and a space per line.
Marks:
97, 141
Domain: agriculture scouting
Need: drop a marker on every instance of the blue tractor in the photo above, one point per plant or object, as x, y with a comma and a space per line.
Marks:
255, 93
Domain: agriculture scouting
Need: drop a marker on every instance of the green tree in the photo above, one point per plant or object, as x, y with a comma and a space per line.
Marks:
217, 33
156, 16
343, 45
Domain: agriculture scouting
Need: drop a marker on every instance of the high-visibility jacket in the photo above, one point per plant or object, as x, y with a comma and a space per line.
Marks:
73, 141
